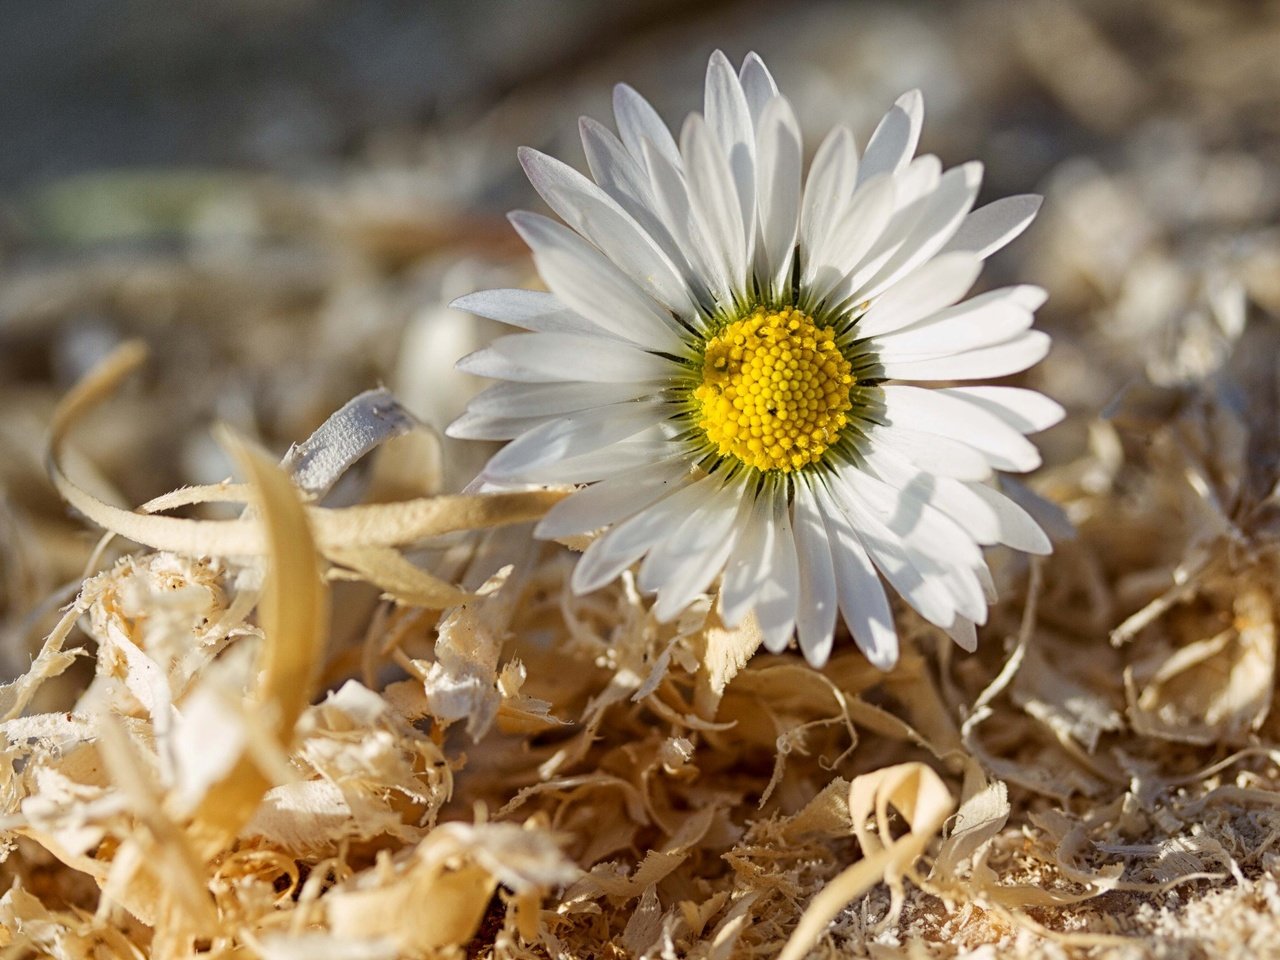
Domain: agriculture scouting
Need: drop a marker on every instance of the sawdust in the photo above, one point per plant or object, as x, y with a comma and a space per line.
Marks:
338, 710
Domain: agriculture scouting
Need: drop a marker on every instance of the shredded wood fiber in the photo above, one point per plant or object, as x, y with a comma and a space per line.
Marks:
330, 711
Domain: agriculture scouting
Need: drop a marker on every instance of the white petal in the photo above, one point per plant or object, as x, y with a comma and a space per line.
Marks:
911, 190
478, 426
612, 166
938, 548
887, 551
625, 179
551, 399
816, 615
685, 565
571, 436
626, 543
611, 461
613, 500
547, 357
863, 604
714, 198
920, 178
980, 321
989, 228
983, 573
598, 217
775, 602
672, 201
748, 564
757, 85
934, 454
528, 309
851, 237
827, 193
895, 138
950, 496
937, 284
1028, 296
939, 214
1049, 516
964, 634
639, 123
1017, 529
1000, 360
932, 411
1025, 410
780, 160
693, 536
729, 120
588, 282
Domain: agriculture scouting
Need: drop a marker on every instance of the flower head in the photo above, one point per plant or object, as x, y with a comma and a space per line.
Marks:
716, 363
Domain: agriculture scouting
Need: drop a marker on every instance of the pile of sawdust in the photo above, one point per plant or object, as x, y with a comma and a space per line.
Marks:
337, 711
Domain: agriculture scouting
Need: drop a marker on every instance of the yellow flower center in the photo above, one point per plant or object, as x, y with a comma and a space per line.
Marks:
775, 390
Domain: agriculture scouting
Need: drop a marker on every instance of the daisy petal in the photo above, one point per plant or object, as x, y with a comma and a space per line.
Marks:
1024, 410
964, 633
951, 497
569, 436
775, 601
852, 235
938, 548
980, 321
1017, 529
912, 189
621, 176
645, 448
757, 85
925, 593
863, 604
626, 543
638, 123
695, 554
672, 201
529, 310
895, 139
552, 399
1012, 356
714, 197
827, 192
932, 411
938, 284
540, 358
779, 154
941, 212
748, 565
816, 615
932, 453
475, 426
613, 500
589, 283
989, 228
598, 217
729, 120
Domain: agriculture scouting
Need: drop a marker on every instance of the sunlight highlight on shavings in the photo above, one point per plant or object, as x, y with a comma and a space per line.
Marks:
294, 620
922, 799
371, 525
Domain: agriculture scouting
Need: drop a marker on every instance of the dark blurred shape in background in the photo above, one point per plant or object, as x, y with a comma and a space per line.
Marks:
275, 84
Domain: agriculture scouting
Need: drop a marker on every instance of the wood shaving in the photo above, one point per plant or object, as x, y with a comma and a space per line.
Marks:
333, 709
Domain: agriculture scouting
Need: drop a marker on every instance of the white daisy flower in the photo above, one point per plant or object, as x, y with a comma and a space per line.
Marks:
718, 364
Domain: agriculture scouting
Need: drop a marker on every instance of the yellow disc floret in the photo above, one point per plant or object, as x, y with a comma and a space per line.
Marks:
774, 390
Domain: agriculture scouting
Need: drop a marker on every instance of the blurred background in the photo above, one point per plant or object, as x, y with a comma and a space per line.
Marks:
282, 196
